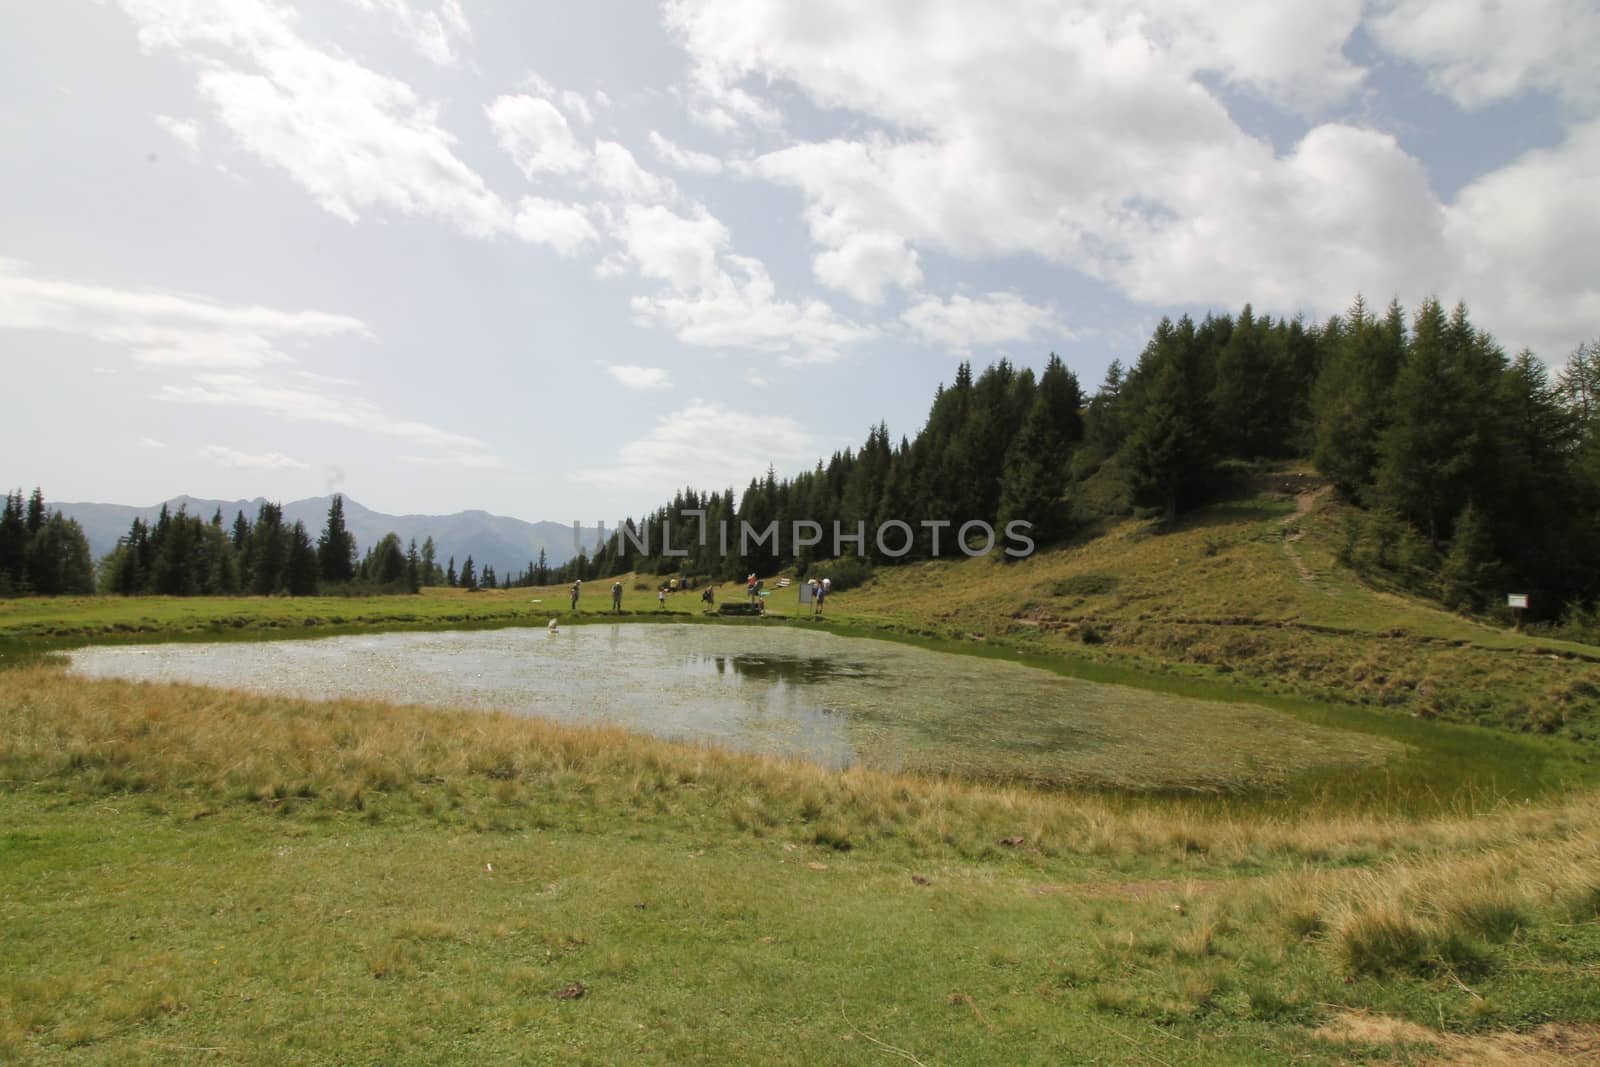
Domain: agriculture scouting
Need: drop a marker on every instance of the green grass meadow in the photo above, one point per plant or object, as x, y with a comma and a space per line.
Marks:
381, 884
192, 875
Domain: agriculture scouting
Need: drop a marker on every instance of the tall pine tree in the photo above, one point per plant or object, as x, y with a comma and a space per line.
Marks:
300, 562
1168, 451
336, 548
1441, 440
1350, 402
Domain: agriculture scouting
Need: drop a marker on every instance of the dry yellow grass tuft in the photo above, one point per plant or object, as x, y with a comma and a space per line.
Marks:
1546, 1046
1441, 912
215, 746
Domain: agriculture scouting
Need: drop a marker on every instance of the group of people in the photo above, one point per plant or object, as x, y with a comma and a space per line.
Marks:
707, 596
820, 588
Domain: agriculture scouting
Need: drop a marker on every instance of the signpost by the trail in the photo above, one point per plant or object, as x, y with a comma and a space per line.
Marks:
1517, 602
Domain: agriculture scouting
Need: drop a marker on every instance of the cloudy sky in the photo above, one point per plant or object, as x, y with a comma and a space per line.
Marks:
553, 259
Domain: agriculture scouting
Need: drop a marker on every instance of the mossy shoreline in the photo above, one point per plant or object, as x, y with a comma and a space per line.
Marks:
1449, 765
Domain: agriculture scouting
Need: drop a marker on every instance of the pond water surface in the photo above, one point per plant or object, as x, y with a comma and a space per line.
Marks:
815, 695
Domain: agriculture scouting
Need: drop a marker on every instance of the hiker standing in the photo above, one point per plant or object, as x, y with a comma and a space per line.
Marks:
616, 597
750, 587
709, 598
661, 599
576, 587
822, 596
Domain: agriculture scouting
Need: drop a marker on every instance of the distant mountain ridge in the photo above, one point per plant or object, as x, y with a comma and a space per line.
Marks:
504, 543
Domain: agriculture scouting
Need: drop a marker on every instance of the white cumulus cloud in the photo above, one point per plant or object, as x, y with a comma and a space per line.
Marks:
161, 328
1480, 51
535, 134
961, 322
636, 377
715, 298
356, 140
437, 34
185, 131
231, 457
564, 227
1098, 137
242, 392
707, 446
864, 262
616, 170
675, 155
1528, 235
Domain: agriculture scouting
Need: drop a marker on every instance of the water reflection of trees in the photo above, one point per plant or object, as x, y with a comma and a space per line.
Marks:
777, 668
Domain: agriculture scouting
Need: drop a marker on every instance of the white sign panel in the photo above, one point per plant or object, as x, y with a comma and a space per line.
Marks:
1516, 600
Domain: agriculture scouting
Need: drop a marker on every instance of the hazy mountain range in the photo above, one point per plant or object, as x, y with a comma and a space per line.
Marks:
506, 544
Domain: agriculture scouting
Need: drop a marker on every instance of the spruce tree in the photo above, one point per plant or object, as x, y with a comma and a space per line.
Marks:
36, 511
1532, 496
469, 578
1350, 401
220, 562
1035, 476
413, 567
1441, 440
1470, 575
336, 548
268, 550
244, 552
58, 558
13, 546
1160, 451
173, 548
1105, 428
1253, 397
430, 565
1168, 452
1063, 399
125, 568
300, 563
999, 402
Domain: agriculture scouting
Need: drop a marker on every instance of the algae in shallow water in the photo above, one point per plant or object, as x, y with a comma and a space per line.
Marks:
815, 695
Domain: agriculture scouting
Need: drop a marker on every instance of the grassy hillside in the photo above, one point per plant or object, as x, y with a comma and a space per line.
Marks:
382, 884
1251, 592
